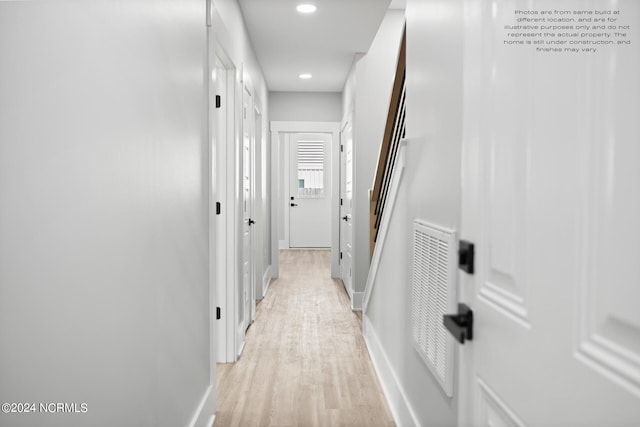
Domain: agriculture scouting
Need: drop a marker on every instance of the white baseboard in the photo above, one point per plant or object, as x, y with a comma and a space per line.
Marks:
266, 280
356, 301
401, 410
206, 412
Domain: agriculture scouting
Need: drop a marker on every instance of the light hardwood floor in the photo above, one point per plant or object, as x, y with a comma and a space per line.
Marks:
305, 362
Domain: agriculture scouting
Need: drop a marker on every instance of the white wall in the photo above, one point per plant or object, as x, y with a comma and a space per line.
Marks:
367, 93
305, 106
103, 210
430, 191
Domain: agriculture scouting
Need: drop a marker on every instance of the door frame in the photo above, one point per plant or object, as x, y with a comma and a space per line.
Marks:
223, 240
228, 185
279, 128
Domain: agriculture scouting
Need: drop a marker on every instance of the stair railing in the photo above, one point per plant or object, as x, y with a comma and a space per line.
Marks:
394, 131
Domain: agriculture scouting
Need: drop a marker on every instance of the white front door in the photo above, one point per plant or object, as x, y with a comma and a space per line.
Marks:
246, 290
551, 200
310, 191
346, 201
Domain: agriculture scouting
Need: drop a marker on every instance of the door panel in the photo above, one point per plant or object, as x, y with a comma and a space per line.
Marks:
607, 304
493, 411
310, 191
552, 205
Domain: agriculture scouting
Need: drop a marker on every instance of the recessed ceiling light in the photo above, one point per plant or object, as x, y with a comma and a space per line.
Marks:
306, 8
305, 76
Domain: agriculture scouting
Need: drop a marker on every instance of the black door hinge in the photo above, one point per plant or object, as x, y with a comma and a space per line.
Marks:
218, 313
341, 148
218, 101
466, 256
218, 208
340, 201
340, 255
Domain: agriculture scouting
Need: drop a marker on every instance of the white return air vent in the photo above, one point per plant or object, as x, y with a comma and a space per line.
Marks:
433, 295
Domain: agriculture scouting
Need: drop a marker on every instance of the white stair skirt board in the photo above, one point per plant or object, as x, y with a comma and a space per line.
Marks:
396, 178
401, 410
206, 412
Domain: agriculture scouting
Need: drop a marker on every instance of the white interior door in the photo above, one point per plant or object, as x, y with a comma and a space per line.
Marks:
310, 191
551, 200
346, 201
246, 284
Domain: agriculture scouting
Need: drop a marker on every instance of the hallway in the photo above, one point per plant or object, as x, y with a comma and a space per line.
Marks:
305, 361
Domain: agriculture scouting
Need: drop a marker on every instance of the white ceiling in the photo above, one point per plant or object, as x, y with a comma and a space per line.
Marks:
323, 44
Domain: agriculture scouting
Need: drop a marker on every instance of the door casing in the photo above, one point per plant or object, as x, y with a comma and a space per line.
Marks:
226, 271
279, 129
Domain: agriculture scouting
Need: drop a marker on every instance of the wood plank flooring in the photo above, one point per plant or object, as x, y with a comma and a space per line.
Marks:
305, 362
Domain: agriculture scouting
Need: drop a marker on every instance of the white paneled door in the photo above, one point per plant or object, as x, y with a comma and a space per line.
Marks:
346, 200
310, 191
551, 201
245, 294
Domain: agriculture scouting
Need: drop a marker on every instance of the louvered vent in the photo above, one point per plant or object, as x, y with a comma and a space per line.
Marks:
433, 295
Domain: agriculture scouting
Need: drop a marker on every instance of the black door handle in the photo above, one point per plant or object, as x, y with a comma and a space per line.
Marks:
460, 325
251, 222
345, 218
294, 204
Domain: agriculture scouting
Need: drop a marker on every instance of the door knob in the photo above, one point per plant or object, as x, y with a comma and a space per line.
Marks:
460, 325
294, 204
251, 222
345, 218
